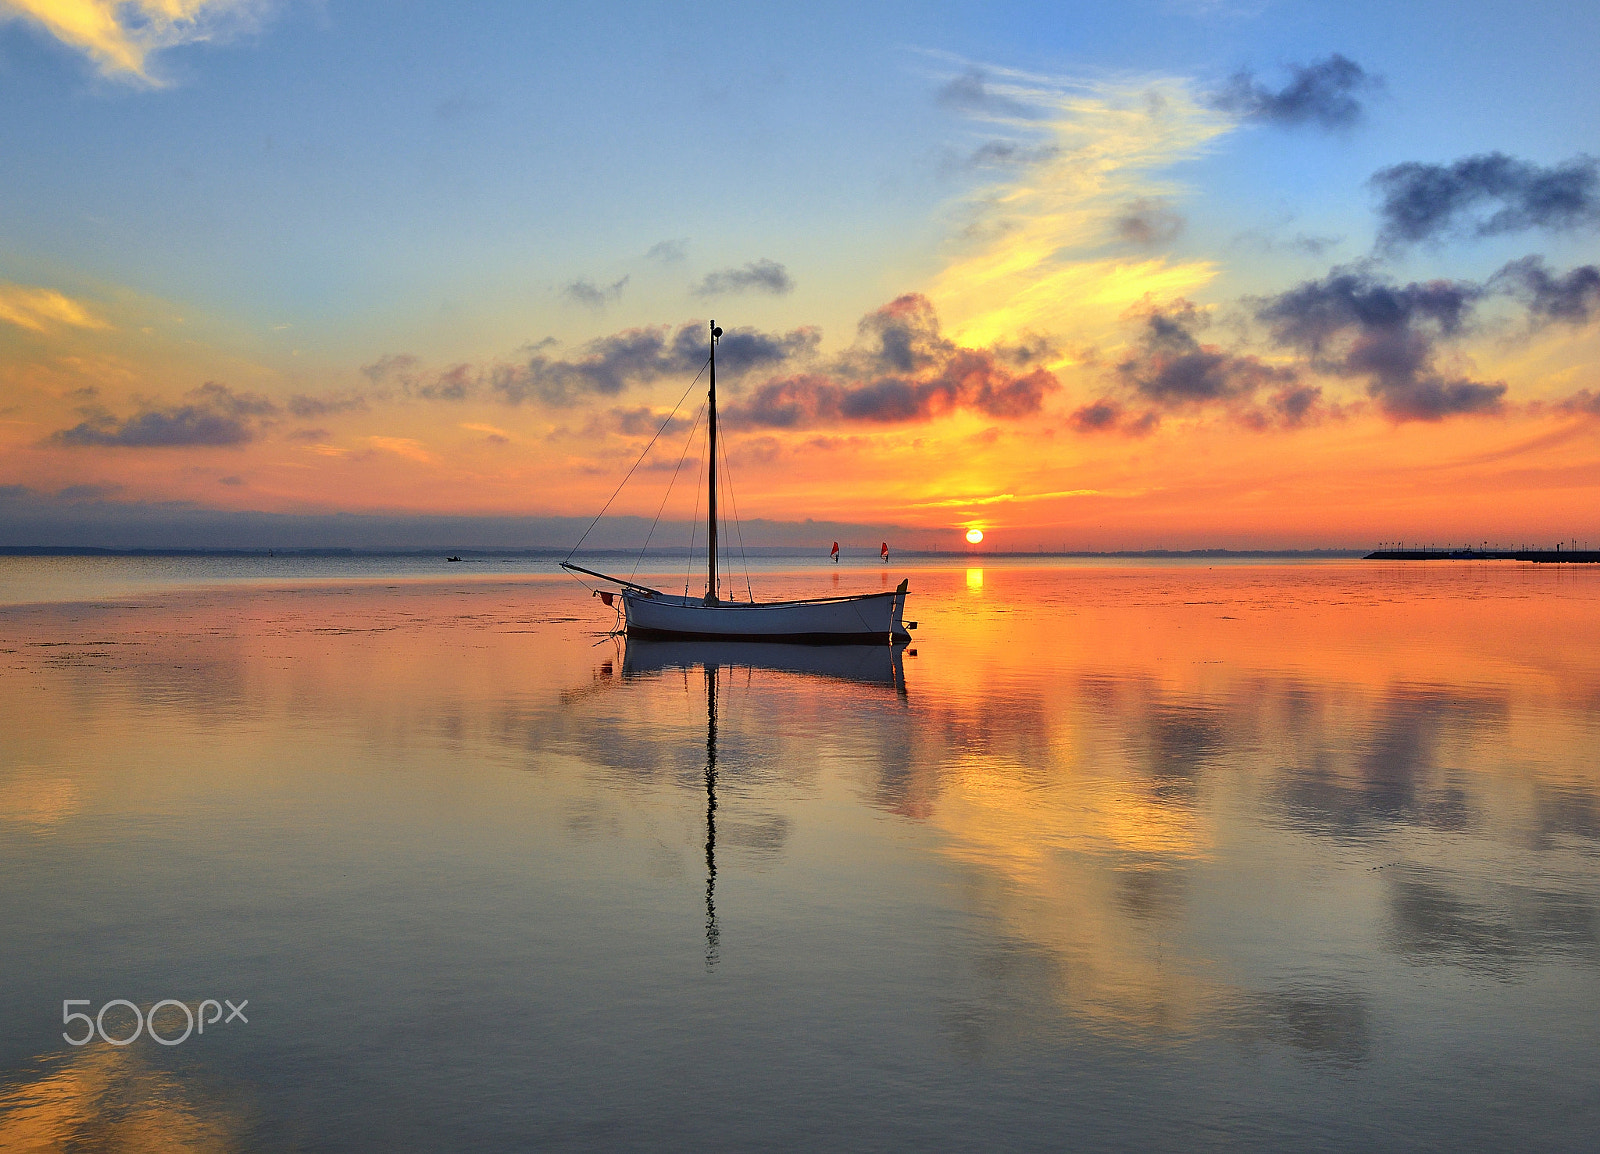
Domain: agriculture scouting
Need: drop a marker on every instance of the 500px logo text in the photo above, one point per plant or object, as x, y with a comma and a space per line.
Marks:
193, 1021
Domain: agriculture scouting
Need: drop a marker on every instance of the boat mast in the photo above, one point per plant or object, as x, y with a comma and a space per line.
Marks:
711, 507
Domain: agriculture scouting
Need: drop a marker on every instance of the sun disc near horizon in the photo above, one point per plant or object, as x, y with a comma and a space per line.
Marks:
974, 536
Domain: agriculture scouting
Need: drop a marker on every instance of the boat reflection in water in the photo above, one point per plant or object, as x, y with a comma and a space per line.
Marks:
866, 664
878, 665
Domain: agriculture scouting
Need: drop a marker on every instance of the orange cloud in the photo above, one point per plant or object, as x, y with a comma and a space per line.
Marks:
41, 309
407, 447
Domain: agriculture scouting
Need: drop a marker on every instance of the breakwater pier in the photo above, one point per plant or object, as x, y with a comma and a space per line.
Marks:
1558, 555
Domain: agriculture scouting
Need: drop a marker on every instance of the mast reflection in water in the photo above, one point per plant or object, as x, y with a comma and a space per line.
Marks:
875, 665
711, 815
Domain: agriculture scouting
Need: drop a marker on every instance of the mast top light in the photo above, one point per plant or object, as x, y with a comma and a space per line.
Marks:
715, 333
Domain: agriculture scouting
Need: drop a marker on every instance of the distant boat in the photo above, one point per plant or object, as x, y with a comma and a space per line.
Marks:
452, 558
647, 612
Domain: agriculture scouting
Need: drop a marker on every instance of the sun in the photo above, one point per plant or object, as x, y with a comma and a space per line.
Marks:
974, 536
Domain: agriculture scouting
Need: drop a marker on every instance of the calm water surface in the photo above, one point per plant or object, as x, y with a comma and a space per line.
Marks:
1157, 857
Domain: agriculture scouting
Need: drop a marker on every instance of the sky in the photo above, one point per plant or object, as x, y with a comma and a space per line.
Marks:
1165, 274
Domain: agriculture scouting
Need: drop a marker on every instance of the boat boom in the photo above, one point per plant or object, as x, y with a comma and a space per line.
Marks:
645, 589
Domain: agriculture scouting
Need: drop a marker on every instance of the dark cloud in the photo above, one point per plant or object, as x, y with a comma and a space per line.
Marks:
305, 406
1353, 324
901, 369
970, 93
1287, 407
1097, 416
1172, 369
211, 415
1003, 154
901, 337
391, 368
1572, 297
1107, 415
1584, 402
1323, 93
1028, 349
668, 251
1485, 196
1301, 243
1148, 223
610, 364
405, 372
584, 291
762, 275
640, 422
456, 383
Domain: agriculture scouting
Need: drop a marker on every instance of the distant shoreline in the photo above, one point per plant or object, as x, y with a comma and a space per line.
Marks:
770, 551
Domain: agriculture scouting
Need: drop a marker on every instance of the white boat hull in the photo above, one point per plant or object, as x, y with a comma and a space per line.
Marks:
869, 617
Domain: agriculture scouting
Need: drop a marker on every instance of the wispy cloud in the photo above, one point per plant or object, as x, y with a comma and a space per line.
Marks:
40, 309
1081, 179
120, 36
1003, 499
407, 447
976, 93
493, 432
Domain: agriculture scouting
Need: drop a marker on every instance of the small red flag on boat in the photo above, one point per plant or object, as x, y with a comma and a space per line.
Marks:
885, 550
835, 553
606, 597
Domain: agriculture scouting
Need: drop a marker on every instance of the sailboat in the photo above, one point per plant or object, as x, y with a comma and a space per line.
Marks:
857, 619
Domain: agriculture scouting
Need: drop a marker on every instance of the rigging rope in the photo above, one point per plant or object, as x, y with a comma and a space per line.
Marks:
662, 507
640, 461
733, 500
694, 522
